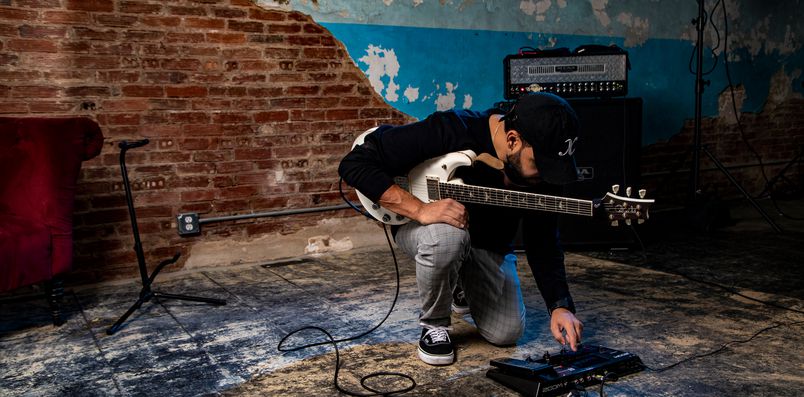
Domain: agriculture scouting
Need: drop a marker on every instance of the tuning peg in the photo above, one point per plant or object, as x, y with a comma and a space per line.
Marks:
628, 221
640, 221
628, 191
615, 188
615, 223
642, 193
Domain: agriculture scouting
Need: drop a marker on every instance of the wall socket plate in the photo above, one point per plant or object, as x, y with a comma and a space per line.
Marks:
188, 224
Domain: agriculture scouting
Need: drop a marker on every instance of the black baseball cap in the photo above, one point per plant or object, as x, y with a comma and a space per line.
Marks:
548, 123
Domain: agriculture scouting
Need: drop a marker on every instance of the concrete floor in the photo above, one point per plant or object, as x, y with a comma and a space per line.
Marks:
666, 304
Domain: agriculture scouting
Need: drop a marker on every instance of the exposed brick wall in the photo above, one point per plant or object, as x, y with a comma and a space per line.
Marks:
776, 134
247, 110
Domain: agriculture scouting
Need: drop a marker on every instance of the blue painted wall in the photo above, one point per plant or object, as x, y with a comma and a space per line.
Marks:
427, 55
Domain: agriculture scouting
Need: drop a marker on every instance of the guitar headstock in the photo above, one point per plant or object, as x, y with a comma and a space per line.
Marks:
626, 209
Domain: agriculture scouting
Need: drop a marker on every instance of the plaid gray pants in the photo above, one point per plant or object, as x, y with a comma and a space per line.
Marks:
445, 257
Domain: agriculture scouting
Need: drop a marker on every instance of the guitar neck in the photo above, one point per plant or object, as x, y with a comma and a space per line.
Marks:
437, 190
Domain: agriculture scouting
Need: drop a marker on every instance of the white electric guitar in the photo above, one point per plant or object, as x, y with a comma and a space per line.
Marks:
433, 180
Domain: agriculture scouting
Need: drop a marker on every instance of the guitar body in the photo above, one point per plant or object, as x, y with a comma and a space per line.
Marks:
439, 168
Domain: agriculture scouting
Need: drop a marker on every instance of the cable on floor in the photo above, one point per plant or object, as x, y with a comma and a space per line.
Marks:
334, 342
723, 347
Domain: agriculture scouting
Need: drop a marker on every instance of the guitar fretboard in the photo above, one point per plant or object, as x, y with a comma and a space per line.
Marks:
507, 198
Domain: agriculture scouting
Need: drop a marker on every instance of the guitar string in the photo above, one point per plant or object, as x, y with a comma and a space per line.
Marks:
518, 199
505, 195
525, 200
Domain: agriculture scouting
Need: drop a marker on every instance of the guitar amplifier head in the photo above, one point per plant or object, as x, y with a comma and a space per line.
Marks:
569, 75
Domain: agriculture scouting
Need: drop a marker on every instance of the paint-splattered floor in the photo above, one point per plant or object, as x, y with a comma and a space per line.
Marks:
643, 302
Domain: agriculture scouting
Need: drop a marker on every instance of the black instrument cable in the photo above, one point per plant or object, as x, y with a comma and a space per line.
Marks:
768, 186
722, 347
727, 344
334, 342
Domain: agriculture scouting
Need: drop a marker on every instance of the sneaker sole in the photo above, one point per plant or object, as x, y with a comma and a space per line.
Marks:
460, 310
436, 359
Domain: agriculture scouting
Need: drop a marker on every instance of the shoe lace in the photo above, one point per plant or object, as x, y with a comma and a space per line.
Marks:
460, 296
438, 335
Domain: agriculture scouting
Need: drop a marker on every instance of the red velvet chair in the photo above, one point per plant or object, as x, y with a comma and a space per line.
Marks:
40, 159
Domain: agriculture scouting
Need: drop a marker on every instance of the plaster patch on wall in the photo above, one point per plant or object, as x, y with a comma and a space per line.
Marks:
467, 101
382, 63
539, 8
760, 38
637, 31
280, 4
465, 4
446, 101
726, 104
781, 87
417, 3
388, 2
599, 9
412, 94
528, 7
390, 92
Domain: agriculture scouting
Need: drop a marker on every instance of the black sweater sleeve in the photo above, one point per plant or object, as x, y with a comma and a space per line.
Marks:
546, 259
393, 151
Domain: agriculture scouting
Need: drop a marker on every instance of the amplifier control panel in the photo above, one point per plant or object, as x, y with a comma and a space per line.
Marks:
572, 89
567, 75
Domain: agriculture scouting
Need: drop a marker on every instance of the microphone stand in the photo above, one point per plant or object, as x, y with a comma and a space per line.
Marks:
146, 293
695, 190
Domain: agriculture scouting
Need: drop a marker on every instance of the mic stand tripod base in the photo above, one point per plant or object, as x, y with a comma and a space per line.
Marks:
739, 187
146, 294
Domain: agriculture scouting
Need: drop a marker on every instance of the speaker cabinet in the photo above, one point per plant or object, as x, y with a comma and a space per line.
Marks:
607, 153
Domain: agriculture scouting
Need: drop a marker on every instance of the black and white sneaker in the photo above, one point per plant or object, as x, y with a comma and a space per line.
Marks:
435, 347
459, 303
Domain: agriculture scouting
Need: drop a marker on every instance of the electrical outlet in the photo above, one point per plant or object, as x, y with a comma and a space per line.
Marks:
188, 224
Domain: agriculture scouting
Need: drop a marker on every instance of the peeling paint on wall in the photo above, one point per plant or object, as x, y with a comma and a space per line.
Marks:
448, 50
446, 101
751, 20
599, 9
638, 29
539, 8
382, 63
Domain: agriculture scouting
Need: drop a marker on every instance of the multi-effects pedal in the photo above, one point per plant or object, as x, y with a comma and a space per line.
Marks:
564, 372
